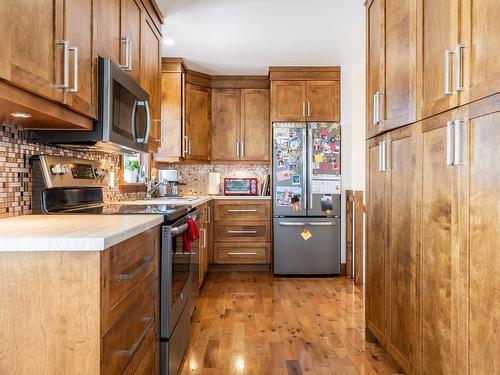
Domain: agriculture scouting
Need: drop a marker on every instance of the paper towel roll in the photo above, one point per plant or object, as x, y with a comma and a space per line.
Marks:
213, 183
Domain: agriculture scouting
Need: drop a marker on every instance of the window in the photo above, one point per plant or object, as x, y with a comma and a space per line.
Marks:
135, 168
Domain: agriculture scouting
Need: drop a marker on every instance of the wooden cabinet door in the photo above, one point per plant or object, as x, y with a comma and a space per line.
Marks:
255, 126
323, 101
439, 33
480, 57
108, 29
30, 57
79, 32
288, 100
439, 276
374, 63
376, 239
172, 116
197, 122
226, 124
131, 30
151, 76
404, 163
482, 299
398, 102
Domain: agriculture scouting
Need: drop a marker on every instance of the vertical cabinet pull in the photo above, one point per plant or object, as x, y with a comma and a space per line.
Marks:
458, 68
128, 53
160, 122
308, 108
381, 153
185, 148
303, 109
209, 215
384, 162
65, 82
242, 150
447, 83
449, 143
376, 107
75, 70
237, 149
458, 142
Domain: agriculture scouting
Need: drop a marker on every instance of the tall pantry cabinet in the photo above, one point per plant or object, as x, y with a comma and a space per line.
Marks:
433, 199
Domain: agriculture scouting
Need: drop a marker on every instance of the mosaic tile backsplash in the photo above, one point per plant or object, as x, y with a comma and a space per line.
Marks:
195, 176
16, 176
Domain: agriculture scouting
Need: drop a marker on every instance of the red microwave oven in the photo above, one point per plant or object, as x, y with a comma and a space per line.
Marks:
240, 186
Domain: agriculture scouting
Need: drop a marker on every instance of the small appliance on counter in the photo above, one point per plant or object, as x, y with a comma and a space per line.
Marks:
213, 183
240, 186
171, 187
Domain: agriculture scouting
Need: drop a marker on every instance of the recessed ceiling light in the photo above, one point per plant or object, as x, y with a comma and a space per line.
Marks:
20, 115
168, 42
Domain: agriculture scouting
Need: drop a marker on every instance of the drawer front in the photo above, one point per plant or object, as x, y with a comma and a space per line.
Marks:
130, 262
150, 363
128, 340
242, 210
241, 253
248, 232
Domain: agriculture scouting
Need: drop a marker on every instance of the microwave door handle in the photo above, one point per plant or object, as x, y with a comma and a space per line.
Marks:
148, 122
134, 125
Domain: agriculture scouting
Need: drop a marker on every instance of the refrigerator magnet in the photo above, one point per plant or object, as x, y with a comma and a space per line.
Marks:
296, 179
283, 175
306, 234
318, 158
324, 167
295, 143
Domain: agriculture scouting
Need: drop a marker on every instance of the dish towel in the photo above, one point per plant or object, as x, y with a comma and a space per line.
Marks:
191, 234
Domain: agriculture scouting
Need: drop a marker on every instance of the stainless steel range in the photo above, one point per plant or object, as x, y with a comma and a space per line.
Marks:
63, 185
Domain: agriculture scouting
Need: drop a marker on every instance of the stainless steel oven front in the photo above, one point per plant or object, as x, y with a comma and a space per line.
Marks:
175, 293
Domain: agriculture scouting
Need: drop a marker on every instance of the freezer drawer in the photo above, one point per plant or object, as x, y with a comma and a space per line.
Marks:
319, 255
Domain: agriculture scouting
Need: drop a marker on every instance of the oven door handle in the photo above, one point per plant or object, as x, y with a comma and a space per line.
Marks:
180, 229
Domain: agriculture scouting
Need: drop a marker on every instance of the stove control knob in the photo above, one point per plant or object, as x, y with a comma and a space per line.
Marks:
100, 173
64, 169
56, 169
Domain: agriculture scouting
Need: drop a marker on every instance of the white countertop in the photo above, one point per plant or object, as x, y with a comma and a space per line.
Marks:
71, 232
194, 201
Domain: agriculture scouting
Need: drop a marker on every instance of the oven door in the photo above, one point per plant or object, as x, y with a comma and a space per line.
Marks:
176, 269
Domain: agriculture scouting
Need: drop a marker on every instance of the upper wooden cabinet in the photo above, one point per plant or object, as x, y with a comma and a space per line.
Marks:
131, 31
55, 63
323, 100
391, 65
240, 124
197, 127
288, 102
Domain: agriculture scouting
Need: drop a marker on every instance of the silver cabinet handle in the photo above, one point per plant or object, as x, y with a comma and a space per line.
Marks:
161, 129
185, 145
308, 108
303, 109
380, 156
458, 142
376, 107
242, 150
65, 82
240, 253
458, 68
128, 53
129, 276
205, 244
449, 143
209, 215
301, 224
242, 231
189, 146
75, 70
387, 156
237, 149
447, 53
130, 352
241, 210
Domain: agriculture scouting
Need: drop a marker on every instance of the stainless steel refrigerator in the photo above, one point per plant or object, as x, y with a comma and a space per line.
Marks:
306, 198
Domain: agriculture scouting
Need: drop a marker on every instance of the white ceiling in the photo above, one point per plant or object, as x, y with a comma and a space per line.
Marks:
248, 36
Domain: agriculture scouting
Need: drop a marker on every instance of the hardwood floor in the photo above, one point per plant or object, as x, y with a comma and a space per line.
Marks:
252, 323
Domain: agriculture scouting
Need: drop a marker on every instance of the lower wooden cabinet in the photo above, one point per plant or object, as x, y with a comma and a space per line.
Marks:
242, 231
432, 249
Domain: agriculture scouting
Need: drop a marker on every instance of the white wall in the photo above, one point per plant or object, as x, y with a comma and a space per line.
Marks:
352, 99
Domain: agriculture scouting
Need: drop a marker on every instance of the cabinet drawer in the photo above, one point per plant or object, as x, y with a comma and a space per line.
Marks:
126, 343
242, 210
258, 231
150, 363
241, 253
129, 262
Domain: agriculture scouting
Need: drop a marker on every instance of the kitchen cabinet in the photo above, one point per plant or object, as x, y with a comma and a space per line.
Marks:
205, 239
93, 305
198, 111
48, 74
242, 232
240, 124
393, 242
226, 143
151, 77
391, 65
130, 36
305, 100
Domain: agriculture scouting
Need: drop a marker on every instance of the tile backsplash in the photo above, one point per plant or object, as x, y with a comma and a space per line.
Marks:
16, 174
195, 176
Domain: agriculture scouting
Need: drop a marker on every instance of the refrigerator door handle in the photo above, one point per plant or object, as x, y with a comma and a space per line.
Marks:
305, 166
303, 224
310, 167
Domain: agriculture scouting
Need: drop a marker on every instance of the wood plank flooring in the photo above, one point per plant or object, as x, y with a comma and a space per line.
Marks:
253, 323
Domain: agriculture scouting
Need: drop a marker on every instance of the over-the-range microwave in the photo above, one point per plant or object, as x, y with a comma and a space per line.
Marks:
123, 121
